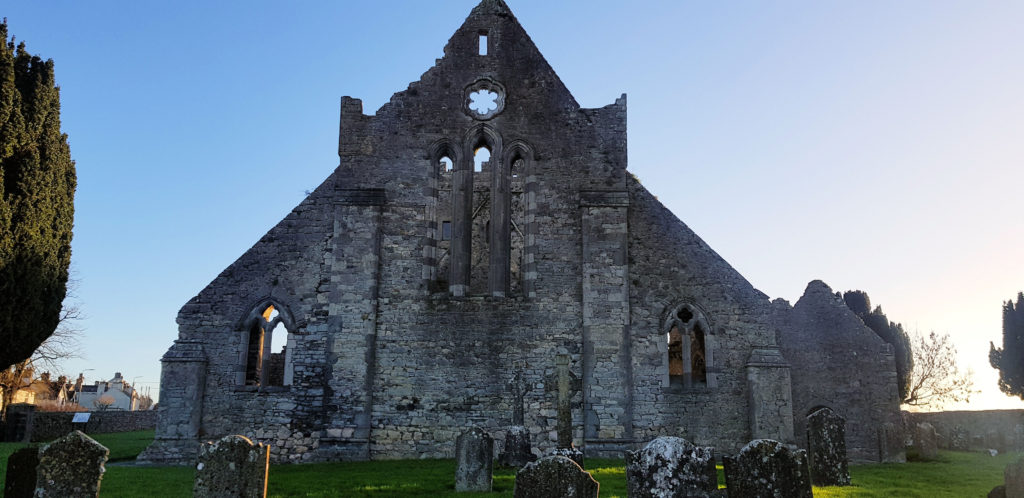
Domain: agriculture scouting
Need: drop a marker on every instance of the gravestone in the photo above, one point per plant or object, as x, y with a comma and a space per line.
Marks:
765, 468
70, 466
959, 439
1013, 478
21, 473
18, 428
998, 492
891, 446
554, 477
924, 441
232, 466
517, 447
474, 451
671, 466
826, 448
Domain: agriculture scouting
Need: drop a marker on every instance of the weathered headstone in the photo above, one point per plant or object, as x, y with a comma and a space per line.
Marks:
21, 473
891, 447
554, 477
767, 468
474, 451
959, 439
1013, 478
70, 466
924, 441
232, 466
18, 427
669, 467
826, 448
998, 492
517, 447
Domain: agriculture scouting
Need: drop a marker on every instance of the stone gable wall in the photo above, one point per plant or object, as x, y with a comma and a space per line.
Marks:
839, 363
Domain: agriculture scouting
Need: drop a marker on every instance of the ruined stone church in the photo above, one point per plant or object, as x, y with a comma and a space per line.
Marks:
482, 256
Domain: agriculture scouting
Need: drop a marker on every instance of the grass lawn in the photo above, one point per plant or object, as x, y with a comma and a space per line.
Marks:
952, 475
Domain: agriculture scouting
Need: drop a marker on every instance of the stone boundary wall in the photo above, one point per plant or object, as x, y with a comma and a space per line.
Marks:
1002, 430
47, 426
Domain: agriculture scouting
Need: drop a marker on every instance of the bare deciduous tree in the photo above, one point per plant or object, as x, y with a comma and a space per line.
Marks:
936, 379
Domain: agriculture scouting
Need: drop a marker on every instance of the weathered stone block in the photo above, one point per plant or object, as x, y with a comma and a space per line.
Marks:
232, 466
518, 451
474, 453
71, 466
554, 477
21, 473
767, 469
924, 441
671, 467
891, 447
826, 448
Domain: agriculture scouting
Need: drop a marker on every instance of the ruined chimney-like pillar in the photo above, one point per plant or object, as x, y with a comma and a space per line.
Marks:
182, 384
462, 227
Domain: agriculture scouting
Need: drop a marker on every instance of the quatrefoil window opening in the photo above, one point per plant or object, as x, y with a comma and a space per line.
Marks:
483, 101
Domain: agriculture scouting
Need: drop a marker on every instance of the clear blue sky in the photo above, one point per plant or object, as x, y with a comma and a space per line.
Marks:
875, 145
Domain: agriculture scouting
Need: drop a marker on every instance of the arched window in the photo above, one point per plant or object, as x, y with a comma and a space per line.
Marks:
268, 347
687, 336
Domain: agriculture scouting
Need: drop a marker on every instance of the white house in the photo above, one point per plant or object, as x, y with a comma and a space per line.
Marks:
121, 395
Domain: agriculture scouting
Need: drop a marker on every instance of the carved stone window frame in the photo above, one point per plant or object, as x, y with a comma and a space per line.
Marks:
486, 84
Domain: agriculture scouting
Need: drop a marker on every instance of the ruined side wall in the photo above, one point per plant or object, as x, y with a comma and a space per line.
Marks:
669, 264
840, 363
1002, 430
299, 265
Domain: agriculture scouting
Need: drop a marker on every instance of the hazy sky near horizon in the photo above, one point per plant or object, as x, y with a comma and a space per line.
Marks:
873, 145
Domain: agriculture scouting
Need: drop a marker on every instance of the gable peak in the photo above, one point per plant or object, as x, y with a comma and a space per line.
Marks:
491, 7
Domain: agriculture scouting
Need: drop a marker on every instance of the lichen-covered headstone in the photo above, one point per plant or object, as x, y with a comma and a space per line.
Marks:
572, 453
1013, 478
21, 473
554, 477
70, 466
232, 466
765, 468
826, 448
518, 451
670, 467
959, 439
924, 441
891, 445
474, 451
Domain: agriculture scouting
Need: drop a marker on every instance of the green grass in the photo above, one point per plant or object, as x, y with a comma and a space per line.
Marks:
951, 475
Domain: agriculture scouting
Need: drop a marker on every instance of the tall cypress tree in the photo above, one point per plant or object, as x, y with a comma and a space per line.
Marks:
890, 332
37, 188
1009, 360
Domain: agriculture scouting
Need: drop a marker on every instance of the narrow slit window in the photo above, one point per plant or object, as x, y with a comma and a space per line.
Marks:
483, 43
446, 230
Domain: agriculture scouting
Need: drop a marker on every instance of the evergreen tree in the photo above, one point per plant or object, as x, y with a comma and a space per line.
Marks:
37, 187
890, 332
1009, 360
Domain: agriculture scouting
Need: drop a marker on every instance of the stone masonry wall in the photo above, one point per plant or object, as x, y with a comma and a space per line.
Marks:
996, 429
669, 264
47, 426
839, 363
